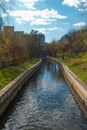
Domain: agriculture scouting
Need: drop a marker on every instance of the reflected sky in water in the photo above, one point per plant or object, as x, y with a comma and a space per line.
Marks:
45, 103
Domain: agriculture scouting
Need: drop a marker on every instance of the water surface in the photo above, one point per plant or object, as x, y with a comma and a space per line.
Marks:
45, 103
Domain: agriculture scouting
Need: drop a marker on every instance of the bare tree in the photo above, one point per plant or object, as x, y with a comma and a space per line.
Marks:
4, 7
83, 12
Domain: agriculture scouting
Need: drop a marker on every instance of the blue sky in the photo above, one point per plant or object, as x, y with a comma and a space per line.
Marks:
54, 18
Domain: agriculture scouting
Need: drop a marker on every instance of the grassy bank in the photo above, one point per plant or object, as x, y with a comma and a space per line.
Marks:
8, 74
78, 65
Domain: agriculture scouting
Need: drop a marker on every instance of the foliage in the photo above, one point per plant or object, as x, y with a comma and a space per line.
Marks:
15, 49
72, 50
78, 65
72, 43
8, 74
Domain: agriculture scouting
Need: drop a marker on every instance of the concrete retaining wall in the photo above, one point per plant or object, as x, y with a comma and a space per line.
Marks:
77, 86
9, 92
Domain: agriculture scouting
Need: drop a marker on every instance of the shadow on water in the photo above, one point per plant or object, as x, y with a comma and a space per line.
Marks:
44, 103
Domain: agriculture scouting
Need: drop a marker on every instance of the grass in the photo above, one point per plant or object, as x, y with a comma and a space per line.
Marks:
8, 74
78, 65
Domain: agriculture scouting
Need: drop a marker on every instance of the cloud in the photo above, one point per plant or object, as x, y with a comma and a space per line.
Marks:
4, 15
6, 0
50, 14
75, 3
45, 30
83, 10
40, 21
19, 20
71, 3
42, 30
30, 3
32, 15
54, 28
80, 24
36, 17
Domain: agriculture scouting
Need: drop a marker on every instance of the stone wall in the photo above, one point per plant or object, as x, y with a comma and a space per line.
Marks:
76, 85
9, 92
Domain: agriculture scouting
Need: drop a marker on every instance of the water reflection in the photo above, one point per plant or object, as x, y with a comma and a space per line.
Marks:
45, 103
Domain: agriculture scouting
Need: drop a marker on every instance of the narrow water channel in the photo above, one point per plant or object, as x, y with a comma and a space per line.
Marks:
45, 103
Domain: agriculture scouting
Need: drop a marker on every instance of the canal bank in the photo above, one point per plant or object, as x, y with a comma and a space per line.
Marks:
9, 92
44, 103
77, 86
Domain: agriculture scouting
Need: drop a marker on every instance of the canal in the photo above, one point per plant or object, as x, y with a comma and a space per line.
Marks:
44, 103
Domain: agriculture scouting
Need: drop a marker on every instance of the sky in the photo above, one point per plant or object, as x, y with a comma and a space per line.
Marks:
53, 18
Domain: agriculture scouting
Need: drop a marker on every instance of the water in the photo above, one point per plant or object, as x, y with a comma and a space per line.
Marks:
45, 103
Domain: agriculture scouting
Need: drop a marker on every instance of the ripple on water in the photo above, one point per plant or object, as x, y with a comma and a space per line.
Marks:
45, 104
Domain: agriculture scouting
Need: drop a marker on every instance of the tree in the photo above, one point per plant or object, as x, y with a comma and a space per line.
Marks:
32, 46
83, 12
4, 7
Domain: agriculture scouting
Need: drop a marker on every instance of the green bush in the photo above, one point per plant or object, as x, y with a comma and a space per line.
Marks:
78, 65
8, 74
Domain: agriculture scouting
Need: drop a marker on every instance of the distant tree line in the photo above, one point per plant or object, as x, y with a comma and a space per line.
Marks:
15, 50
71, 43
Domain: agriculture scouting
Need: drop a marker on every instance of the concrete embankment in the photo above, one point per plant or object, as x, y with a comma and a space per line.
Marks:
77, 86
9, 92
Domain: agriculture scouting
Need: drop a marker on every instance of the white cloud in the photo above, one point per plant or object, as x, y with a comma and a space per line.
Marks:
82, 10
8, 11
50, 14
29, 3
6, 0
19, 20
80, 24
33, 15
36, 17
75, 3
52, 29
4, 15
40, 21
42, 30
45, 30
71, 3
